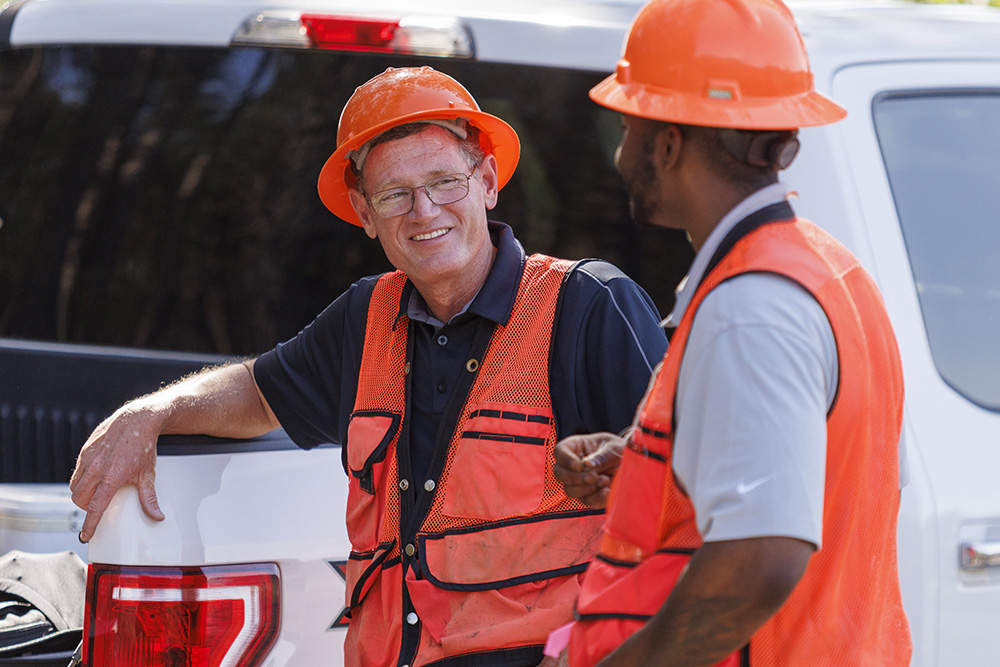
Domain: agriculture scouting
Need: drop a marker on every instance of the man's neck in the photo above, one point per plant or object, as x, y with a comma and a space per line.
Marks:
446, 298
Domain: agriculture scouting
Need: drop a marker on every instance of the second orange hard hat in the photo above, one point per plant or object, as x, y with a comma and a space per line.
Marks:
407, 95
717, 63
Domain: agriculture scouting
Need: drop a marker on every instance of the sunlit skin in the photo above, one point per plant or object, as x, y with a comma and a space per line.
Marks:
445, 250
670, 182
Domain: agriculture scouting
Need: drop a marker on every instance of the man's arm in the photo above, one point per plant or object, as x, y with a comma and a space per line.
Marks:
727, 592
121, 451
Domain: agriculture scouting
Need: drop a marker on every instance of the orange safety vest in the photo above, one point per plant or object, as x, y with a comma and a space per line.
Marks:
501, 549
846, 609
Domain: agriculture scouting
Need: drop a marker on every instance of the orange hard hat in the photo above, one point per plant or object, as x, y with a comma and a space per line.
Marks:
717, 63
407, 95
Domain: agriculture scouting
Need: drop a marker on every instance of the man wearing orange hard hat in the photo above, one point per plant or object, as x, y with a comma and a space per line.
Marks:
447, 383
752, 510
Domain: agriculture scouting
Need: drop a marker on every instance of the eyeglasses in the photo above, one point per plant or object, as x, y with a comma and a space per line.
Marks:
442, 190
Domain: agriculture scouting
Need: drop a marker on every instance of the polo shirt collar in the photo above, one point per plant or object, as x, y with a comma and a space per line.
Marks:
769, 194
494, 300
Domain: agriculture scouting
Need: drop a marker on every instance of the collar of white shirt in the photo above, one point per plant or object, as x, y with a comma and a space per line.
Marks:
770, 194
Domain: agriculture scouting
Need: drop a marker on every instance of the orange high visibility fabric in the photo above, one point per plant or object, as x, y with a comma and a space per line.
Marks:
502, 548
847, 609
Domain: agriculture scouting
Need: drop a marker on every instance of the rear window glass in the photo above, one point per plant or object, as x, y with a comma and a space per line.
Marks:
941, 153
165, 198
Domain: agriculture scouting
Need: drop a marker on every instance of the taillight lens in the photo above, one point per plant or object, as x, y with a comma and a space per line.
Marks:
357, 34
413, 34
219, 616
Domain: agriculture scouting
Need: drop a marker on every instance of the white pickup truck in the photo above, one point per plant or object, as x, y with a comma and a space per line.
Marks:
195, 92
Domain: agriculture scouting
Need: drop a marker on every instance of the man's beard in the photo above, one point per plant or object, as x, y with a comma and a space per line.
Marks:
641, 185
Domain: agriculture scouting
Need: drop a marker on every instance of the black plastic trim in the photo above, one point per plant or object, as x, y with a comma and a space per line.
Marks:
192, 445
7, 21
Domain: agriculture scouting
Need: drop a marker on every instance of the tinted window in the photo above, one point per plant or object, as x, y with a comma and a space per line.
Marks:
166, 198
941, 152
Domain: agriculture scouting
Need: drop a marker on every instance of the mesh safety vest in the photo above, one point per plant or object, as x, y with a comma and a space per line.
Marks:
846, 610
488, 559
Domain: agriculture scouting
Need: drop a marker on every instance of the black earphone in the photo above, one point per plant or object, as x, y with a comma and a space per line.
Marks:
775, 149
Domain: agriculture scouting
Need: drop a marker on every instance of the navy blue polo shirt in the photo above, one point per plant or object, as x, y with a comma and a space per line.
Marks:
606, 343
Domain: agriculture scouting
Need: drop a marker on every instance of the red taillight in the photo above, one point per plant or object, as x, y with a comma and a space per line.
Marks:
414, 34
350, 34
219, 616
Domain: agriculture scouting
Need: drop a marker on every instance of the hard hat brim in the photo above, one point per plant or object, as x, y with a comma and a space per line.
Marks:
748, 113
333, 186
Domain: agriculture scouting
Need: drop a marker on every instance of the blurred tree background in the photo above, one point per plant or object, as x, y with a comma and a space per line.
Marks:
166, 198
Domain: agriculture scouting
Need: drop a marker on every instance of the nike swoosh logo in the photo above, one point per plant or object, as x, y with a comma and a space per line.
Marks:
744, 487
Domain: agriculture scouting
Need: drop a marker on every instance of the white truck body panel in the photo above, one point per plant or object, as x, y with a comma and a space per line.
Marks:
287, 506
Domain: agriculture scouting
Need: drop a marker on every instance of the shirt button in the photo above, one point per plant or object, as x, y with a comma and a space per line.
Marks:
410, 549
411, 618
442, 340
442, 386
429, 485
404, 484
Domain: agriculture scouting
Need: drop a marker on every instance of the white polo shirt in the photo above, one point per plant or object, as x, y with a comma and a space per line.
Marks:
758, 376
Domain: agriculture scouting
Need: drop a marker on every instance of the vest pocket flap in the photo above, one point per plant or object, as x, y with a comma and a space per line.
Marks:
630, 591
503, 422
368, 436
497, 555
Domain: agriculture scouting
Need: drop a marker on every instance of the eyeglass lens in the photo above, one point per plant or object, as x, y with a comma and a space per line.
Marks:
443, 190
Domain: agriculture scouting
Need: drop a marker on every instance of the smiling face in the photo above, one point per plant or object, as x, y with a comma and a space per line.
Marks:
435, 245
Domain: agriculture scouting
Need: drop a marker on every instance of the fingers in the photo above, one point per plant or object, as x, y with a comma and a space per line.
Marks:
147, 497
120, 452
569, 453
608, 457
599, 498
582, 465
99, 502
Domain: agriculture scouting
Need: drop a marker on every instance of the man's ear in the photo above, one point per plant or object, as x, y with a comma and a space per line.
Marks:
667, 144
360, 206
491, 181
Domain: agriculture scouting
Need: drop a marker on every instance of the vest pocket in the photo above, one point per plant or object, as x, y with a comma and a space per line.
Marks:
368, 437
512, 552
521, 574
500, 463
639, 483
363, 569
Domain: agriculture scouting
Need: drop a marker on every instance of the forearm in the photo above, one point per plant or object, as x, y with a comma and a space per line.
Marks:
221, 401
727, 592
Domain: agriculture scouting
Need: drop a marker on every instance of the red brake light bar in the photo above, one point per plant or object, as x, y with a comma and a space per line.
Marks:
358, 34
411, 34
220, 616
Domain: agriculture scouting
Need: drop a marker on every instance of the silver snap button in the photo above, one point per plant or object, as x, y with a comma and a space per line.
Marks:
404, 484
429, 485
442, 340
410, 549
411, 618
